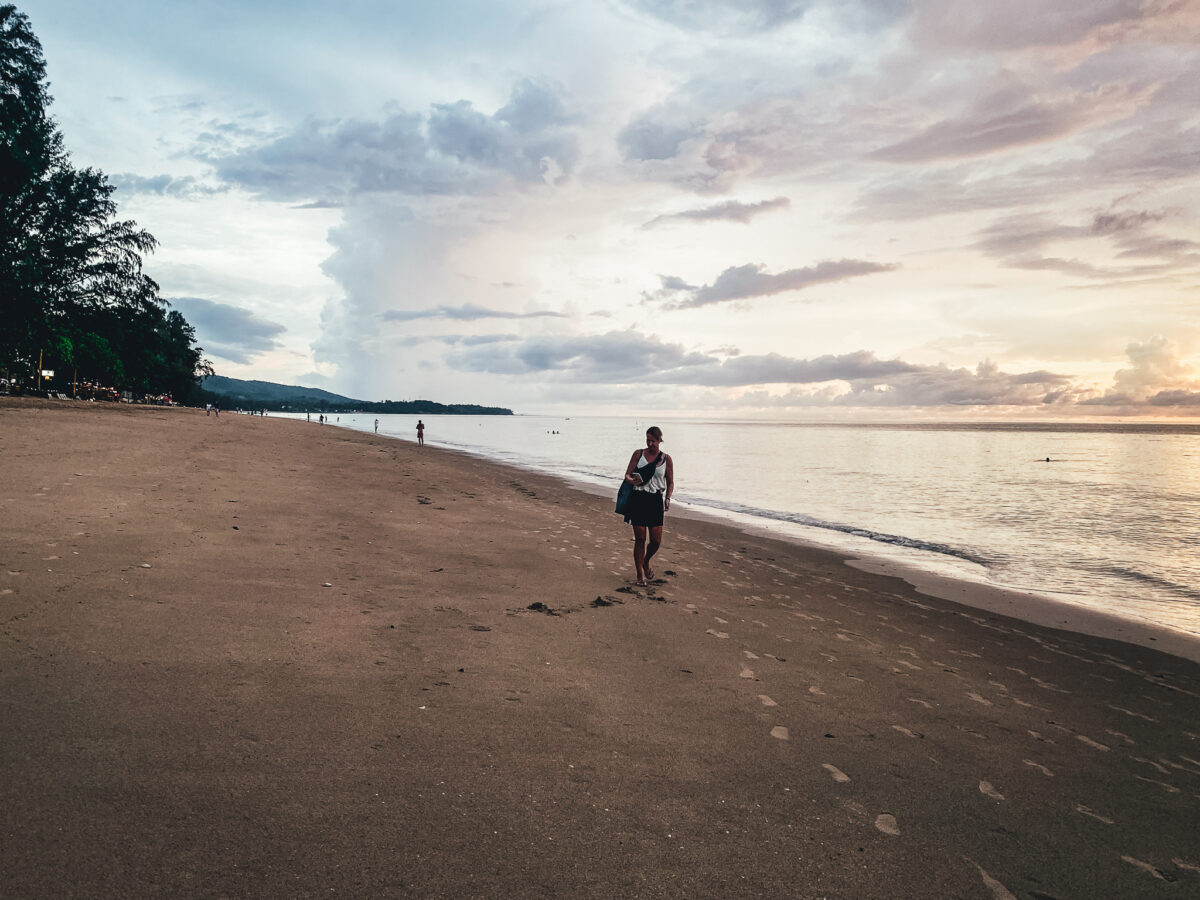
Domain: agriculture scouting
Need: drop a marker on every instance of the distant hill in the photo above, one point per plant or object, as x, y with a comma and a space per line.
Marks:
269, 392
234, 393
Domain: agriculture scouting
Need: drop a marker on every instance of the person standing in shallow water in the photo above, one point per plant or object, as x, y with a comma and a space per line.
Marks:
652, 474
420, 432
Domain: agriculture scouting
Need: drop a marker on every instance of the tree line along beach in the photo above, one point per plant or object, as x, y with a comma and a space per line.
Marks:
248, 656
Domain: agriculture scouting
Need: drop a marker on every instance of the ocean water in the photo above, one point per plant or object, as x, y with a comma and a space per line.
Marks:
1111, 522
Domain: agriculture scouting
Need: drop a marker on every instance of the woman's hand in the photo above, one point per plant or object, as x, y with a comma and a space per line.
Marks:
666, 503
634, 478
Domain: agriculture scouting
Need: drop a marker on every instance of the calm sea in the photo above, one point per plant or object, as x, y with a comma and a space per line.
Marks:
1112, 521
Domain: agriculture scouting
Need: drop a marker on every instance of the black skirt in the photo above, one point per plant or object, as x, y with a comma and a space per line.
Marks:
645, 508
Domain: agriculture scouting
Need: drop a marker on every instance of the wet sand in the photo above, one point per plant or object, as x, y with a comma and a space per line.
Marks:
254, 657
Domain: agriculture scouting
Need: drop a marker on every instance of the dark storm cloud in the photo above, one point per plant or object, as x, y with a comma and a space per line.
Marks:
229, 332
467, 312
750, 280
455, 149
729, 211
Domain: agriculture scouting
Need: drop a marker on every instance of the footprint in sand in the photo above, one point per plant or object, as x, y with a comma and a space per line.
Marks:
838, 775
749, 654
746, 673
1121, 709
978, 699
999, 891
780, 733
1145, 867
1161, 769
1169, 788
908, 732
1039, 767
766, 701
985, 788
816, 690
717, 634
1080, 808
887, 824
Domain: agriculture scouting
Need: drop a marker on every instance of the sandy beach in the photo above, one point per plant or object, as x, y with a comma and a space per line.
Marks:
255, 657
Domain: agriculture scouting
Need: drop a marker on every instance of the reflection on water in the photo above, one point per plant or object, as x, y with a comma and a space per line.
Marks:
1109, 521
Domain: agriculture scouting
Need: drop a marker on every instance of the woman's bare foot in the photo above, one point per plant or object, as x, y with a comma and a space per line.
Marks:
649, 575
641, 582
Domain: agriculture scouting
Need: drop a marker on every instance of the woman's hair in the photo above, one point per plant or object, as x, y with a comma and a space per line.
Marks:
655, 432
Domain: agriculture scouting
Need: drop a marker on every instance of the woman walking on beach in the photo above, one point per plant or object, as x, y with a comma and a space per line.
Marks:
652, 474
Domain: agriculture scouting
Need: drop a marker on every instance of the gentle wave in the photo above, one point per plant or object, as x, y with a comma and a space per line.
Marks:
895, 540
1128, 574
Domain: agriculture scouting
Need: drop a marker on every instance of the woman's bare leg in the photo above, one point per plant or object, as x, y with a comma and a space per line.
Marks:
639, 552
655, 543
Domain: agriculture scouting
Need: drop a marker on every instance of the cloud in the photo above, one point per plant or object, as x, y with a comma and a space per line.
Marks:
624, 357
729, 211
737, 15
850, 379
1021, 24
985, 130
467, 312
185, 187
454, 149
1175, 398
229, 332
750, 280
753, 17
1020, 241
653, 136
1156, 367
985, 386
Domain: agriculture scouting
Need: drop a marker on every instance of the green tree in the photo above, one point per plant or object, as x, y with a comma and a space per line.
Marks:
71, 279
30, 147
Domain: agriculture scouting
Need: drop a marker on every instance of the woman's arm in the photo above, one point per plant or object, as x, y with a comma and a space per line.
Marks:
670, 483
631, 476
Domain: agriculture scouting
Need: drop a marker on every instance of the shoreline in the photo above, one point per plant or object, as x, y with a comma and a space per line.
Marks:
244, 658
1028, 606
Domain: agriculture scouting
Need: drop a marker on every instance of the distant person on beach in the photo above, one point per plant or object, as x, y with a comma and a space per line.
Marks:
420, 432
377, 426
652, 474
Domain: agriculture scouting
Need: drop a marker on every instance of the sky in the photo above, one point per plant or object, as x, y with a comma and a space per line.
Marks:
792, 209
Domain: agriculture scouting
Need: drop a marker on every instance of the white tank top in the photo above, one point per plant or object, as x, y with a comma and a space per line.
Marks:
658, 481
